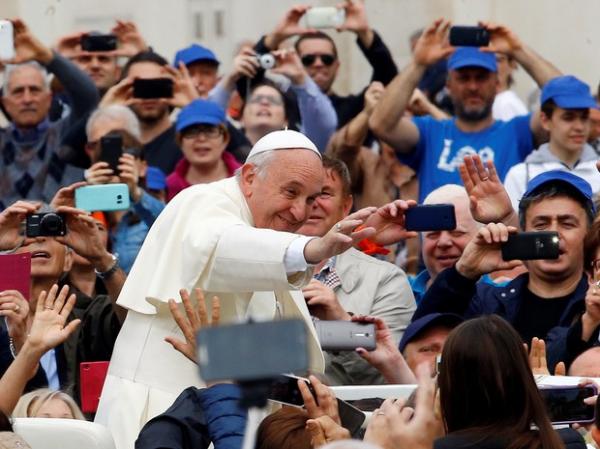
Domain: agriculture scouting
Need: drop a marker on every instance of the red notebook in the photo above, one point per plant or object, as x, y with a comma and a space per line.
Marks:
91, 377
15, 273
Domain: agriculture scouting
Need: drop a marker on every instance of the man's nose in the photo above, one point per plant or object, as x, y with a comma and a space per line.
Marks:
299, 210
445, 239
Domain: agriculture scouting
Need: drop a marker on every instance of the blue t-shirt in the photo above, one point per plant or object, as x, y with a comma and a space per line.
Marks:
442, 147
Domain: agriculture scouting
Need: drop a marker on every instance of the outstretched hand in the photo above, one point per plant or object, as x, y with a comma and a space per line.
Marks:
388, 223
433, 45
193, 321
49, 327
538, 361
488, 198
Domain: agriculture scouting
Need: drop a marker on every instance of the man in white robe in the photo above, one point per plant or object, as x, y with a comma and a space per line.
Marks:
232, 238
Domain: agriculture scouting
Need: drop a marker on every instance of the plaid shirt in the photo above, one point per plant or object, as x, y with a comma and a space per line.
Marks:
328, 275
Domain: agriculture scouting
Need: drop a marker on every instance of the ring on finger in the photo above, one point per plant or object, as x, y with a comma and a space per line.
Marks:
17, 308
338, 227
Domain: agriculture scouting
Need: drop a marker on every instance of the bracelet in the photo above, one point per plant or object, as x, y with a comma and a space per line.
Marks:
112, 270
11, 346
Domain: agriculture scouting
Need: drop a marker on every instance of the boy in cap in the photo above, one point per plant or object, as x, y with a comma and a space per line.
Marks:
565, 114
202, 136
435, 148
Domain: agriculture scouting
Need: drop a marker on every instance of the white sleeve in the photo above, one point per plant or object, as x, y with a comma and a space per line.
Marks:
294, 260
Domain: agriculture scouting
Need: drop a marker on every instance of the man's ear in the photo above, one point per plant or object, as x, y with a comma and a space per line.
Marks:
348, 204
544, 121
247, 178
68, 264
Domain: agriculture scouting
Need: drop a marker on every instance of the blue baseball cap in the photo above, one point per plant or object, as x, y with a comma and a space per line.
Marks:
472, 57
417, 327
194, 53
200, 112
568, 92
559, 176
155, 179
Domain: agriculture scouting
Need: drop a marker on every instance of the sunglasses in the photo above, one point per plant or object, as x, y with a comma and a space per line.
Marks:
308, 60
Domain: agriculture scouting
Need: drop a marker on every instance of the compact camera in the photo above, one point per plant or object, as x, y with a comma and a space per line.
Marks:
266, 61
48, 224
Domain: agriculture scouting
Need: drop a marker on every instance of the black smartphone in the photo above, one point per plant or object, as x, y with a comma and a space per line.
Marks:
565, 404
47, 224
284, 389
262, 350
98, 42
531, 246
153, 88
469, 36
430, 217
111, 149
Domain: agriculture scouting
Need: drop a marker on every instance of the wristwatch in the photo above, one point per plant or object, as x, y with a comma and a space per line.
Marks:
113, 268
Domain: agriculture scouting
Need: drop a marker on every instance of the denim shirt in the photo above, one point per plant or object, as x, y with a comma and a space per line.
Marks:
129, 234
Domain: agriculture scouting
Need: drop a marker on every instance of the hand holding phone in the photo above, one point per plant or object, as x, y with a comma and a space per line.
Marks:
322, 17
98, 42
15, 273
104, 197
430, 217
111, 149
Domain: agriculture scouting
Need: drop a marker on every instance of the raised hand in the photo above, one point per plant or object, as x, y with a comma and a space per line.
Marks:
193, 321
184, 90
488, 199
388, 223
502, 39
10, 223
121, 93
373, 95
482, 254
356, 16
288, 26
538, 362
340, 238
99, 173
15, 309
325, 403
289, 64
325, 430
66, 196
83, 236
27, 46
130, 39
386, 356
129, 174
433, 44
69, 45
49, 327
323, 302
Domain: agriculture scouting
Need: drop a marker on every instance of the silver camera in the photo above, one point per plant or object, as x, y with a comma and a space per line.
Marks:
266, 61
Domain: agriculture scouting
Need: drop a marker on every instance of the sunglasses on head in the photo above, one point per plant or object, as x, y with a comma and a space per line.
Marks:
308, 60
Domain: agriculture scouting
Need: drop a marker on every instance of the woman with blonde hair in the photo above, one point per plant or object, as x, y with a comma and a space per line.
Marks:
46, 403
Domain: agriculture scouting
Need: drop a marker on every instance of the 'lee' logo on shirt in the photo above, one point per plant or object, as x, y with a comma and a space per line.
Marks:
486, 154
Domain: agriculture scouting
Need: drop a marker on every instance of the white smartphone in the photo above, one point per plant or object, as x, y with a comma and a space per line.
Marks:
7, 46
324, 17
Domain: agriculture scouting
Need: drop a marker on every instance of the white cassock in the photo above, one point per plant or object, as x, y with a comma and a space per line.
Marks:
204, 238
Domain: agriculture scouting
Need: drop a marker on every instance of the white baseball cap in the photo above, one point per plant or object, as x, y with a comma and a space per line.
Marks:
283, 140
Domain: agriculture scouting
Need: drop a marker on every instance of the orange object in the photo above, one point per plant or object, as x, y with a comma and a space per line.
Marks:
369, 247
99, 216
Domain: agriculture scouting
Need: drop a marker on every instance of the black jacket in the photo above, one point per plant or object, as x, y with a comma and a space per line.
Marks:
570, 437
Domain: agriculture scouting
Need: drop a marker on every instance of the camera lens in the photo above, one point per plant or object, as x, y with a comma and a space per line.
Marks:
51, 224
266, 61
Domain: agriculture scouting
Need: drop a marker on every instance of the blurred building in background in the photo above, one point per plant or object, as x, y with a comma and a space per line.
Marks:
564, 31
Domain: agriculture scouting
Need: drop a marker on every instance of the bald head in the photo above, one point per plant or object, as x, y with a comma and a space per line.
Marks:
587, 364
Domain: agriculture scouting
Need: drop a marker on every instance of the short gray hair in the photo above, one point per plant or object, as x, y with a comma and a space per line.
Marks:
260, 162
131, 123
10, 69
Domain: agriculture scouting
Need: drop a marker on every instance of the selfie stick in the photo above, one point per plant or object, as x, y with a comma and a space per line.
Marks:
254, 399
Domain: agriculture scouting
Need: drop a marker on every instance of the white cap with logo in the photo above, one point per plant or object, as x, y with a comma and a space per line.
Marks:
283, 140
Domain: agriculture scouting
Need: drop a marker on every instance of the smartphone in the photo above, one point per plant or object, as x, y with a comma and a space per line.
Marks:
47, 224
92, 376
7, 44
153, 88
469, 36
98, 42
320, 17
565, 404
345, 335
284, 389
104, 197
111, 149
15, 273
430, 217
531, 246
252, 351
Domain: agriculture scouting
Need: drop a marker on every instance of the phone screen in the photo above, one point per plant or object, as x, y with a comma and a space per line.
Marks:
153, 88
285, 389
565, 404
111, 149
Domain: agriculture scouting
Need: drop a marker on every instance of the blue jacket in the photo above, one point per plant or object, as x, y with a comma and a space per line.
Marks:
453, 293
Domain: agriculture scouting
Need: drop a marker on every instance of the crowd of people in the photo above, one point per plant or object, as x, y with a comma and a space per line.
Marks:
263, 194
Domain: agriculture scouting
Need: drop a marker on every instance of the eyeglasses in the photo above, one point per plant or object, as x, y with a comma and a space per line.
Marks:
308, 60
272, 100
206, 131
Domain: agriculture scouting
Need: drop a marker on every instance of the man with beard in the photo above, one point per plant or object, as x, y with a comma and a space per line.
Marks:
158, 133
435, 148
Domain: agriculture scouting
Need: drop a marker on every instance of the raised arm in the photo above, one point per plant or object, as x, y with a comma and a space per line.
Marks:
388, 121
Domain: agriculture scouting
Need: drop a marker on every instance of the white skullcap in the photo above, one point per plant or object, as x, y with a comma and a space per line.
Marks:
282, 140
